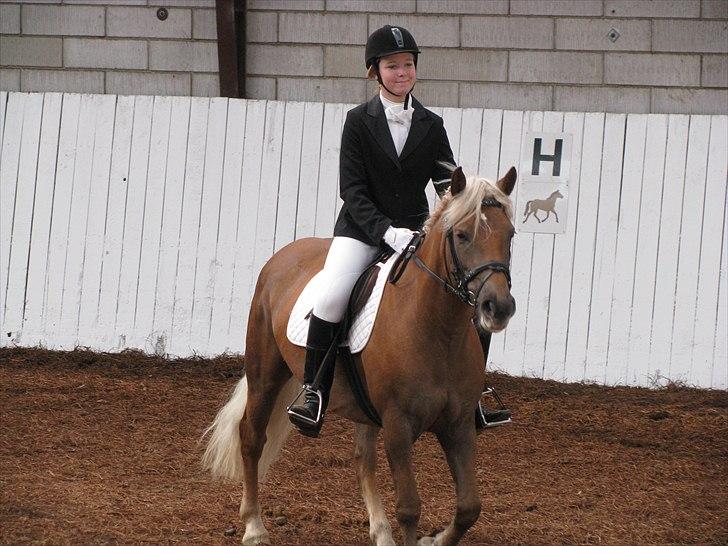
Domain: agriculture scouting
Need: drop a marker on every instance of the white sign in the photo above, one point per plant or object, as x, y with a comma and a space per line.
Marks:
542, 208
546, 158
543, 191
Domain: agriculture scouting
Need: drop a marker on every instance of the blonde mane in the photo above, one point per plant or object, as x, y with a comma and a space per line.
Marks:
467, 204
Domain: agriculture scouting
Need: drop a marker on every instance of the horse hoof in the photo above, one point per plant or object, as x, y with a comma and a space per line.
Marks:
254, 540
426, 541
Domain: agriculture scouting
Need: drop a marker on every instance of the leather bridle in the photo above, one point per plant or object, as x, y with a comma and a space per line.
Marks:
460, 276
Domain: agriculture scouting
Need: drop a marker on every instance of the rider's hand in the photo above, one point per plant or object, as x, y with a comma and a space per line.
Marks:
398, 238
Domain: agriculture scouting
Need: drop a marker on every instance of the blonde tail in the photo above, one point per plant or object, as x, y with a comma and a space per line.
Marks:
222, 456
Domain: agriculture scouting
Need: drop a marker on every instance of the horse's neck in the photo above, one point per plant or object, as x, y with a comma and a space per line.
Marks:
442, 314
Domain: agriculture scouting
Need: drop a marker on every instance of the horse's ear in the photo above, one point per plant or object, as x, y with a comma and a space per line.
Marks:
506, 183
457, 183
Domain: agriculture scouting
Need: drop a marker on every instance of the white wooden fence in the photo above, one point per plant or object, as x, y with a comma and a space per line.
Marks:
142, 222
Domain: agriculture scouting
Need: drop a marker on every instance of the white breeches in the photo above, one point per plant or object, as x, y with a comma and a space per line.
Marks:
346, 260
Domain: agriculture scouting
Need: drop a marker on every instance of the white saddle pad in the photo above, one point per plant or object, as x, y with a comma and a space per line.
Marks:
360, 330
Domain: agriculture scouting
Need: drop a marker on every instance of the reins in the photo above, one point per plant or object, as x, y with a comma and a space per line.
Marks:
462, 276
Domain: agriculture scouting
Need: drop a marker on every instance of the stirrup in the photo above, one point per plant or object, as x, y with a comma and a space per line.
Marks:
305, 419
497, 418
501, 416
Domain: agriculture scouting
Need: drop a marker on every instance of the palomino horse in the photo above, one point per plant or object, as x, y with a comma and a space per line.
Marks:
423, 364
547, 205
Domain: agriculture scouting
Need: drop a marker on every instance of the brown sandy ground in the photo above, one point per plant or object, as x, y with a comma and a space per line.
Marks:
103, 449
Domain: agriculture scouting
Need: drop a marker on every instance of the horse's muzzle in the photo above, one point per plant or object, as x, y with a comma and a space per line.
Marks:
495, 310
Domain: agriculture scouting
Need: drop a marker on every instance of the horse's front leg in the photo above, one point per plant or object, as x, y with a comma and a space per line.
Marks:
459, 448
398, 440
365, 456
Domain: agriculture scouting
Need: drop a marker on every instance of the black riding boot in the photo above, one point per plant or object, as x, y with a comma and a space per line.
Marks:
484, 418
308, 416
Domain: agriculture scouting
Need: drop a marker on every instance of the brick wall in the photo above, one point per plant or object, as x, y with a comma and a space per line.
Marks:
670, 55
109, 46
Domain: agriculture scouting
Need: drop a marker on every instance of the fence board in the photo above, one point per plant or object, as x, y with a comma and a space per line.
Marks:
689, 249
605, 248
184, 295
527, 253
42, 214
285, 226
490, 139
719, 367
10, 155
134, 222
586, 229
206, 265
22, 218
710, 366
61, 216
617, 366
174, 187
81, 187
243, 280
563, 262
313, 118
470, 134
646, 256
104, 334
328, 170
667, 251
96, 218
227, 230
144, 335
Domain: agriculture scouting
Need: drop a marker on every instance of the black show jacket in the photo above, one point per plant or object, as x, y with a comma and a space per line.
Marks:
380, 189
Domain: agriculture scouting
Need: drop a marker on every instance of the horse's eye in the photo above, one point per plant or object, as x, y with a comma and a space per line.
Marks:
462, 236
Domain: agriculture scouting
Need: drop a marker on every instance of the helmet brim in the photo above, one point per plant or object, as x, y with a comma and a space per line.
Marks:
371, 61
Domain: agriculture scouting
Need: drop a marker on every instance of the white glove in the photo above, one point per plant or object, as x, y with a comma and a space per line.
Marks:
398, 238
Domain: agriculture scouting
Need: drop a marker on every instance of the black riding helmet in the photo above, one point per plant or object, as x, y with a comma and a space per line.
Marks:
389, 40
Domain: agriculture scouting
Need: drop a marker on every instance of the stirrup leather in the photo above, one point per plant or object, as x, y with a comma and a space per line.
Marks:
305, 390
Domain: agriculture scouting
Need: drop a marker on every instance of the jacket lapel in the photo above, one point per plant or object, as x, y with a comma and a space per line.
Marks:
418, 130
376, 122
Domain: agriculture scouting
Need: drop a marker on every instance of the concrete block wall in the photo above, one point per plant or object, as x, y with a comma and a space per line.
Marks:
671, 56
110, 46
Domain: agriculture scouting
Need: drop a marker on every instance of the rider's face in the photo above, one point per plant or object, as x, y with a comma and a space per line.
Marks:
398, 74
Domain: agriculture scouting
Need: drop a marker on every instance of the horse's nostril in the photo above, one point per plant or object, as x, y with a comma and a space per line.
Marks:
489, 307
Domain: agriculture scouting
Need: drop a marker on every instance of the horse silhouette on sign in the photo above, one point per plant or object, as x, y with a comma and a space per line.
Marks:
547, 205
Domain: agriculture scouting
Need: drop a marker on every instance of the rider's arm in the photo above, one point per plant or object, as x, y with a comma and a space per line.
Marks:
353, 185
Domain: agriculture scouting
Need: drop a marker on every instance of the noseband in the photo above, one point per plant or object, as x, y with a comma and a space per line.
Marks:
462, 277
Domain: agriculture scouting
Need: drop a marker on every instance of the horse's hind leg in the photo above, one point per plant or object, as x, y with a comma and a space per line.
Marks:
267, 373
365, 456
459, 448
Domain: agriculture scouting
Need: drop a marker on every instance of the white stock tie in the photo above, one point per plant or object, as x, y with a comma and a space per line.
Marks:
398, 115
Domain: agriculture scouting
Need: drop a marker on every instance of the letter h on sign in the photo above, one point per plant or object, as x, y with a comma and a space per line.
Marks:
538, 157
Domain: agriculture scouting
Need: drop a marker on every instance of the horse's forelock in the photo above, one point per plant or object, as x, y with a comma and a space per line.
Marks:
453, 210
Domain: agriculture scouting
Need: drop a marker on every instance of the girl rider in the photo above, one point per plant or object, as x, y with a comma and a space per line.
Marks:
390, 148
